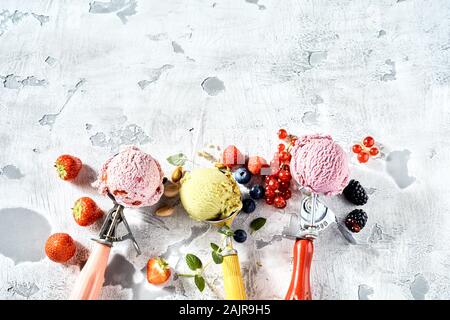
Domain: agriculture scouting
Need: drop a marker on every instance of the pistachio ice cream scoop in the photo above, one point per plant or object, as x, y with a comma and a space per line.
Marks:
209, 194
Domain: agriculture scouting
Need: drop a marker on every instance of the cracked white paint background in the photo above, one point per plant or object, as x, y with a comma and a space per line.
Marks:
85, 77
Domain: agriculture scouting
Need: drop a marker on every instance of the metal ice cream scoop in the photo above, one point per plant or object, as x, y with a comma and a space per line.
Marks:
92, 276
304, 227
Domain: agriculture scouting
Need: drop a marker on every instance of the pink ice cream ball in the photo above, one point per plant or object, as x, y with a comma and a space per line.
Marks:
319, 165
133, 177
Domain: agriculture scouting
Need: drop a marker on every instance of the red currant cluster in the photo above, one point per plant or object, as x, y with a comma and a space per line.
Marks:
366, 149
277, 184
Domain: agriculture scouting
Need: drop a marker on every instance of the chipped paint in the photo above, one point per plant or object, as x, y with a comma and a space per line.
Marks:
213, 86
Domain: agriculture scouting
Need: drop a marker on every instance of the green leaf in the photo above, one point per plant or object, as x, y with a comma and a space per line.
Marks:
178, 159
214, 246
257, 224
193, 262
217, 257
200, 282
225, 230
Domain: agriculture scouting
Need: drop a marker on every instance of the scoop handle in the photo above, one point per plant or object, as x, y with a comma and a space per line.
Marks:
300, 287
91, 278
232, 278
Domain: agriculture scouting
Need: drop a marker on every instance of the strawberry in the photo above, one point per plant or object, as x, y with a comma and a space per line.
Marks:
232, 156
255, 164
60, 247
68, 166
158, 271
85, 211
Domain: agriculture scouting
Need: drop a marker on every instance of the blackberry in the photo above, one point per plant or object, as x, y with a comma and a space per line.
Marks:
356, 220
355, 193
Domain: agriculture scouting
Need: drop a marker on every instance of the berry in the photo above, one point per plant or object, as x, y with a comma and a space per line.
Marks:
248, 205
282, 134
281, 147
158, 271
284, 175
356, 148
60, 247
286, 194
269, 192
270, 200
242, 175
285, 156
284, 185
374, 151
68, 166
355, 193
232, 156
368, 141
255, 164
356, 220
363, 157
279, 202
85, 211
257, 192
240, 236
273, 183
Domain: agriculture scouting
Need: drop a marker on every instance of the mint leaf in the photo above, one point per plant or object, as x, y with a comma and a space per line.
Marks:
217, 257
214, 246
199, 282
257, 224
177, 159
225, 230
193, 262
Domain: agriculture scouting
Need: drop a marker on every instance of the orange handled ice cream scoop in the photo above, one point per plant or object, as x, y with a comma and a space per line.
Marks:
314, 217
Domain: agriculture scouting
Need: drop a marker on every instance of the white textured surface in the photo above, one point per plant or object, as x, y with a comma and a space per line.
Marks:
84, 83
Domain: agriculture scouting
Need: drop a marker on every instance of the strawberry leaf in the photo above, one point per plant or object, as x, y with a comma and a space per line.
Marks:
257, 224
200, 282
193, 262
178, 159
214, 246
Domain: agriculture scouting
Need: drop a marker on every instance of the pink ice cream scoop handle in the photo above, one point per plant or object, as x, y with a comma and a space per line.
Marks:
92, 276
300, 287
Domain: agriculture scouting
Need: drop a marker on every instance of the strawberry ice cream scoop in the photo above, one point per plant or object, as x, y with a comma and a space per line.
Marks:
133, 177
320, 165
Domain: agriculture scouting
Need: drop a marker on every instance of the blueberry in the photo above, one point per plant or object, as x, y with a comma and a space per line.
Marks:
257, 192
242, 175
248, 205
240, 236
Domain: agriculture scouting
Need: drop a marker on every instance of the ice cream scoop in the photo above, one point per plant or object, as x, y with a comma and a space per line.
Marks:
320, 165
133, 177
210, 194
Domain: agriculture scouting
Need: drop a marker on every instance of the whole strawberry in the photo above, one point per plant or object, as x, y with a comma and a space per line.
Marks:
60, 247
158, 271
68, 166
85, 211
231, 156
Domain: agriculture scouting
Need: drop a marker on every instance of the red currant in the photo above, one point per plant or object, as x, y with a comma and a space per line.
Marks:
284, 185
285, 156
286, 194
270, 201
356, 148
279, 202
273, 184
284, 175
369, 141
269, 192
374, 151
267, 179
282, 134
363, 157
281, 147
